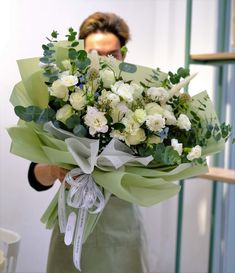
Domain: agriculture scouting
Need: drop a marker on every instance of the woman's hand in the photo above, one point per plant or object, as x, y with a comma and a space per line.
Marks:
47, 174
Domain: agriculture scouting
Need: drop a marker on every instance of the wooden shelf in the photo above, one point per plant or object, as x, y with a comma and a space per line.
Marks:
213, 58
220, 174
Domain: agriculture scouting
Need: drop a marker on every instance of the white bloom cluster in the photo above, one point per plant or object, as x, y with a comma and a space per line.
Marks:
96, 121
124, 90
158, 94
195, 153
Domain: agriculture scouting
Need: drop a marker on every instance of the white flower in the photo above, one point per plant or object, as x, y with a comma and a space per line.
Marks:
170, 117
196, 152
137, 90
69, 80
155, 122
59, 90
183, 122
113, 99
107, 77
64, 113
178, 147
78, 100
153, 108
154, 139
131, 126
136, 138
140, 115
119, 135
158, 94
118, 112
96, 121
124, 90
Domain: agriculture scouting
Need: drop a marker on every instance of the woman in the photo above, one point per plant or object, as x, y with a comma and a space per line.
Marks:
115, 244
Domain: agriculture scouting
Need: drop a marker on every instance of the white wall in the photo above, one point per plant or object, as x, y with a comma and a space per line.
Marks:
157, 29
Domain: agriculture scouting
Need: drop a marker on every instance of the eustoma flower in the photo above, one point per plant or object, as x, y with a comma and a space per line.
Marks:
96, 121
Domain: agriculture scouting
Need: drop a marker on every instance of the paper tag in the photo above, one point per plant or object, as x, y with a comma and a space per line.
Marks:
77, 247
68, 238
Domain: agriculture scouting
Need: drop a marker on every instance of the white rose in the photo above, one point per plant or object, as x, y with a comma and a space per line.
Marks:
96, 121
137, 90
140, 115
59, 90
196, 152
108, 78
170, 118
64, 113
137, 138
178, 147
124, 90
78, 100
155, 122
154, 139
183, 122
153, 108
69, 80
158, 94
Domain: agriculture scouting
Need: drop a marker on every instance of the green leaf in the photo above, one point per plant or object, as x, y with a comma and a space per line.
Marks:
45, 47
171, 156
73, 121
72, 54
71, 38
82, 55
126, 67
30, 113
80, 131
54, 34
183, 72
47, 115
118, 126
83, 64
45, 60
74, 44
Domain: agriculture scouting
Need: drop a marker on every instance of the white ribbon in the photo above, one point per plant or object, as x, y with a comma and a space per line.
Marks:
85, 195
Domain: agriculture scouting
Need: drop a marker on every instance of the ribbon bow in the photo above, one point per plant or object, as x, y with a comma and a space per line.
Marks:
85, 195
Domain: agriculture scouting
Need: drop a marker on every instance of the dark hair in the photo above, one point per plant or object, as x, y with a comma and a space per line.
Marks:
105, 22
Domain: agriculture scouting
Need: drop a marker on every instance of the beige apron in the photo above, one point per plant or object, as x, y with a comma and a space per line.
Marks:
113, 247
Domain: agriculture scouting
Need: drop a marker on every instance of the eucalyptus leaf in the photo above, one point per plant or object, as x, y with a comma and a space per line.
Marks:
126, 67
30, 113
73, 121
46, 115
80, 131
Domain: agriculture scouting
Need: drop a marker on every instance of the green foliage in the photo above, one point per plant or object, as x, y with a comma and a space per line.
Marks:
54, 34
73, 121
118, 126
80, 131
181, 73
35, 113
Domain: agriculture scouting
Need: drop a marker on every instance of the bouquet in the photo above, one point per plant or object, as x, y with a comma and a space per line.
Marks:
118, 128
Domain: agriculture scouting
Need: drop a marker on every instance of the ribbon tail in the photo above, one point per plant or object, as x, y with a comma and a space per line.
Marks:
62, 215
78, 241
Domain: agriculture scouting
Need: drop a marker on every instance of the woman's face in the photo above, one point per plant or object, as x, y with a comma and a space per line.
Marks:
105, 43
